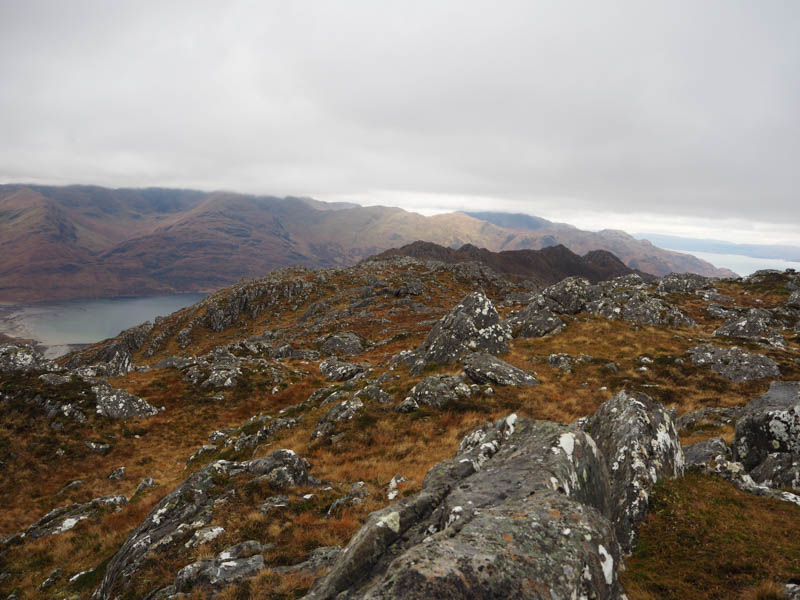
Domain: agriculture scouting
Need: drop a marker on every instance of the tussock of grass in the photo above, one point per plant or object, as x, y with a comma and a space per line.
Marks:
704, 539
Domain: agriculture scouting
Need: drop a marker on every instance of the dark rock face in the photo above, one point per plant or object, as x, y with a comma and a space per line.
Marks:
757, 324
189, 508
337, 370
525, 509
345, 343
702, 453
21, 357
485, 368
734, 363
113, 358
569, 295
682, 283
770, 425
339, 413
473, 325
639, 443
437, 391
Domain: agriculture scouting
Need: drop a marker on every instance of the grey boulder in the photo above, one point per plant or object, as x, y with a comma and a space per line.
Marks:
485, 368
734, 363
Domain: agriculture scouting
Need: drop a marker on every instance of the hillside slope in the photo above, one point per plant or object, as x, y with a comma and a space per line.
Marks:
421, 410
84, 241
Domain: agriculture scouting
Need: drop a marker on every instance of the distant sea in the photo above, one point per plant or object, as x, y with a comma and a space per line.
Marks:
59, 327
743, 265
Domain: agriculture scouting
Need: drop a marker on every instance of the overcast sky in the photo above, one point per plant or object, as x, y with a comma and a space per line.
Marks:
675, 117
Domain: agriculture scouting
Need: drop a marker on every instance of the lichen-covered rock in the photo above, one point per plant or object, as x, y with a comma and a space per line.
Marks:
230, 566
709, 416
525, 508
112, 358
338, 370
64, 518
534, 321
485, 368
757, 325
345, 343
570, 295
119, 404
794, 300
473, 325
640, 445
734, 363
22, 357
189, 508
437, 391
682, 283
318, 559
628, 298
339, 413
373, 392
561, 361
770, 425
487, 525
702, 453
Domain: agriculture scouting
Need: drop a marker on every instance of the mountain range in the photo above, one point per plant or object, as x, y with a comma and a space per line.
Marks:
85, 241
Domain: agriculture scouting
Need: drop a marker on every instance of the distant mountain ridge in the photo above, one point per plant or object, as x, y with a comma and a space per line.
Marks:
86, 241
545, 267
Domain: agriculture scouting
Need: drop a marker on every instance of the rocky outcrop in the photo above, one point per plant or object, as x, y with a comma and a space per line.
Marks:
436, 391
767, 439
682, 283
189, 508
734, 363
119, 404
757, 325
472, 326
703, 453
25, 358
112, 358
345, 343
229, 566
639, 444
485, 368
339, 370
524, 506
535, 321
339, 413
64, 518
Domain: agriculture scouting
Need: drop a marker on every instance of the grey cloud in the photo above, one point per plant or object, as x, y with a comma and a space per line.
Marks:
679, 108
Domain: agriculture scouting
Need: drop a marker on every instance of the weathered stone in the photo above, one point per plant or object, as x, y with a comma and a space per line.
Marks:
204, 536
757, 324
189, 508
201, 452
117, 474
794, 300
119, 404
273, 503
65, 518
320, 558
339, 413
561, 361
734, 363
682, 283
709, 416
770, 424
336, 370
706, 451
639, 443
473, 325
523, 501
345, 343
217, 572
436, 391
570, 294
22, 357
533, 321
485, 368
52, 579
373, 392
144, 485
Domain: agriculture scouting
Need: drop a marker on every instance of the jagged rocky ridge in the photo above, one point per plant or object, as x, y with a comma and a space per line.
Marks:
463, 340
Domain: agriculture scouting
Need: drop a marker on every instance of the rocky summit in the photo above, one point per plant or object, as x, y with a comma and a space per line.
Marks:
416, 427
